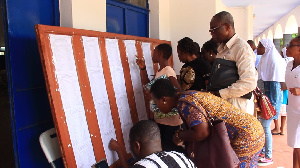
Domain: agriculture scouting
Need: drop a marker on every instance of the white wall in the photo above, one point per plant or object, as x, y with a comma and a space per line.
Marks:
80, 14
189, 19
243, 21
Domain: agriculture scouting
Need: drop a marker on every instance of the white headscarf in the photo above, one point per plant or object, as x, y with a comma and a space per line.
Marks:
286, 58
271, 66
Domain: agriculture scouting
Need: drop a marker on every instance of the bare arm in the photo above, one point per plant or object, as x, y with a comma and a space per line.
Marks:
196, 133
295, 91
141, 63
115, 146
175, 83
283, 86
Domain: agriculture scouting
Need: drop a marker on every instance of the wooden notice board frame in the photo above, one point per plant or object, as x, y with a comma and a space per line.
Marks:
43, 32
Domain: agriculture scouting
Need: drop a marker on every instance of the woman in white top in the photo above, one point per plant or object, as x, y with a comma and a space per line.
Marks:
170, 122
292, 79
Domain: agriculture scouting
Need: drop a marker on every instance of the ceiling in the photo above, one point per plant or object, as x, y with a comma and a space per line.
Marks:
266, 12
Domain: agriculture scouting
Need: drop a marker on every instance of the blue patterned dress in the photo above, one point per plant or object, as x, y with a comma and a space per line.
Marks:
245, 132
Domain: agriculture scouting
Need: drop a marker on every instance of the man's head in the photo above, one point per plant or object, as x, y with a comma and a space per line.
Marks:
162, 50
252, 44
144, 138
222, 27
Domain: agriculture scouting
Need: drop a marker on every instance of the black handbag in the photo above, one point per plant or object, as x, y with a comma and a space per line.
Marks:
223, 74
215, 151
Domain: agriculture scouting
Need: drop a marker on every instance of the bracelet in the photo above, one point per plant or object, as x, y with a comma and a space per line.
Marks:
143, 68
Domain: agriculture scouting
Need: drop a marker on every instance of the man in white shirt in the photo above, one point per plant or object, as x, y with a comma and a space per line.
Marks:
235, 49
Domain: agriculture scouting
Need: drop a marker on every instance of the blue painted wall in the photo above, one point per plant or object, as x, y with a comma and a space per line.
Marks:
30, 110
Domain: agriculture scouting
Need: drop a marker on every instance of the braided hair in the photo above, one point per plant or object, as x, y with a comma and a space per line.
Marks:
211, 45
163, 88
187, 46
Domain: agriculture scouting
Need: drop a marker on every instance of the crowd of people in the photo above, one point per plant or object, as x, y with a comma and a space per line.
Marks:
181, 104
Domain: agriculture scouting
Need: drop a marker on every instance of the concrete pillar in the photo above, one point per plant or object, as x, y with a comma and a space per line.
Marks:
298, 31
277, 44
286, 39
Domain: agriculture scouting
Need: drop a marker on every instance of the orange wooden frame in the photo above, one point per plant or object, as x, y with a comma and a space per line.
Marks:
43, 32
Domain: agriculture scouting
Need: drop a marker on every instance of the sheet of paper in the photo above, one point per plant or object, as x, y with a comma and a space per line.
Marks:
67, 79
99, 92
148, 60
118, 80
136, 79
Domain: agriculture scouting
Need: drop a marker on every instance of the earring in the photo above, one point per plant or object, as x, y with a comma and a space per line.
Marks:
165, 102
211, 55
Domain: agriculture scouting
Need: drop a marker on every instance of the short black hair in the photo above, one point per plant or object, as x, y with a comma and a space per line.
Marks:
197, 49
144, 131
225, 17
251, 42
211, 45
187, 46
165, 49
163, 88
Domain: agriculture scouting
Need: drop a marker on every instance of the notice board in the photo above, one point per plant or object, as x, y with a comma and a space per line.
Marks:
94, 88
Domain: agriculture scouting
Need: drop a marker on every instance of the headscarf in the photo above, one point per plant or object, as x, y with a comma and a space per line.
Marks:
271, 66
286, 58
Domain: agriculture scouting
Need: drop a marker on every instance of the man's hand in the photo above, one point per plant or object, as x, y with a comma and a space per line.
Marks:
114, 145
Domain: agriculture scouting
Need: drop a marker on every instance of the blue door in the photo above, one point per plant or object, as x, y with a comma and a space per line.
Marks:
125, 18
29, 105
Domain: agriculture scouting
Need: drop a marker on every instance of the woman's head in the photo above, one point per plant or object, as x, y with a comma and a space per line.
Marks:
197, 49
162, 51
265, 46
209, 51
186, 48
164, 94
260, 49
293, 48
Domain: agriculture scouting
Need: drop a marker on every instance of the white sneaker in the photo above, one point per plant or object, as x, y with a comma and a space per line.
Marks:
265, 162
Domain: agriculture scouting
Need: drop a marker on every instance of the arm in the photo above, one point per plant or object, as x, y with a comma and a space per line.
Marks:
283, 86
115, 146
248, 76
295, 91
144, 76
196, 133
175, 83
199, 129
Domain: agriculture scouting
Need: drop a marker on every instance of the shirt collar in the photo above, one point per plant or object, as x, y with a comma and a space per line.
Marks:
229, 43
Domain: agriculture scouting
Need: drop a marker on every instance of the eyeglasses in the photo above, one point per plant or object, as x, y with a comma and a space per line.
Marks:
215, 28
291, 45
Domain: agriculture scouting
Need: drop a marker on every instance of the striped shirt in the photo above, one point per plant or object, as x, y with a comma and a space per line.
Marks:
164, 160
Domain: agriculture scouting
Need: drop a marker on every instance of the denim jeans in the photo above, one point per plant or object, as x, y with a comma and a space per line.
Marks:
273, 91
267, 150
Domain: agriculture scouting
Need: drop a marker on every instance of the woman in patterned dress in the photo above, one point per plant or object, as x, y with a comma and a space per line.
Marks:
245, 131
